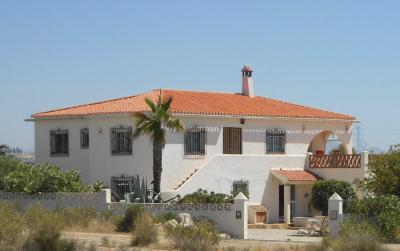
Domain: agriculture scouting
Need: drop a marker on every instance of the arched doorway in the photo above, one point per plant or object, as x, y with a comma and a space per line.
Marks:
327, 142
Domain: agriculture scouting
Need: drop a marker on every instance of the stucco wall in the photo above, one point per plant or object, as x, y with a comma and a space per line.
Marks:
219, 174
96, 163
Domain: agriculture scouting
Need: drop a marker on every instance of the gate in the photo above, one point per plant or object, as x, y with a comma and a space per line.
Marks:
121, 185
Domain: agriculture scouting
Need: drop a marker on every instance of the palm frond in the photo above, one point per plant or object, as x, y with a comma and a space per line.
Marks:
151, 104
167, 103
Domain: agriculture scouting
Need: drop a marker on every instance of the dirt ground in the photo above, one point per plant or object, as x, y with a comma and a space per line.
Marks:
96, 241
121, 242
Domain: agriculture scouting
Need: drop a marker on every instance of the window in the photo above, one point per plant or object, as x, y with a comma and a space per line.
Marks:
121, 141
195, 141
240, 186
84, 138
276, 140
59, 143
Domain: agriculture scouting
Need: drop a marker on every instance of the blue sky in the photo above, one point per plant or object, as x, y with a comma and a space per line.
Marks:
337, 55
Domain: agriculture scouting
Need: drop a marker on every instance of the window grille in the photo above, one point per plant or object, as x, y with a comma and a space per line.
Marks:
84, 138
240, 186
276, 140
59, 143
195, 140
121, 141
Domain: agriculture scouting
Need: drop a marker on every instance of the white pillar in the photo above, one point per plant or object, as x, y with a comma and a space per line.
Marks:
286, 199
307, 163
335, 209
240, 203
364, 162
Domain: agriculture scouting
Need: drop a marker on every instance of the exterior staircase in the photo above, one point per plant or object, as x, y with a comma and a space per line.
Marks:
188, 177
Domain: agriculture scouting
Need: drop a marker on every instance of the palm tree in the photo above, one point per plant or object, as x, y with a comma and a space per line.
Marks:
154, 124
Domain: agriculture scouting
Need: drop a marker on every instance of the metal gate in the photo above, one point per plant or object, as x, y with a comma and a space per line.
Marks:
121, 185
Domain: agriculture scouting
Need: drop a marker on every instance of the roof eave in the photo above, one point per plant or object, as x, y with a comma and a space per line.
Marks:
199, 115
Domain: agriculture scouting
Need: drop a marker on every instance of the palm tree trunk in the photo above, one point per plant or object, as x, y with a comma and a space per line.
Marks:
157, 164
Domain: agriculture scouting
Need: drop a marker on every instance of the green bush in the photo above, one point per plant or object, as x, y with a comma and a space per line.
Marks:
383, 174
127, 223
383, 212
163, 218
146, 231
202, 236
42, 179
322, 190
7, 165
202, 196
355, 234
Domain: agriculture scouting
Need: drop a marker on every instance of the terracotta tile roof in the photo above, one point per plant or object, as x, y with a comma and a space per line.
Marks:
297, 175
206, 103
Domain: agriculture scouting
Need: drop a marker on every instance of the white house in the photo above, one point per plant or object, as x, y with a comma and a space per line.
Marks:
278, 147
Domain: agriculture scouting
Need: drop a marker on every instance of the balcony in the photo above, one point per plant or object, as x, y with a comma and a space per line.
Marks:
335, 161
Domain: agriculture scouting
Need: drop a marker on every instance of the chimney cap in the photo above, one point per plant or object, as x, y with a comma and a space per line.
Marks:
247, 68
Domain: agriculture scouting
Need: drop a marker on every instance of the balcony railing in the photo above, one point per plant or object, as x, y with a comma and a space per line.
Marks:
335, 161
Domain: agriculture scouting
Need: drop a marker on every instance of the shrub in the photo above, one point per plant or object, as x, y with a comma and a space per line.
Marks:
43, 179
355, 234
146, 231
163, 218
11, 226
202, 196
202, 236
383, 212
383, 174
44, 231
7, 165
127, 223
97, 186
322, 190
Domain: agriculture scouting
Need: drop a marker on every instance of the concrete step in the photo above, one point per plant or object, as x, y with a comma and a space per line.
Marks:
186, 179
270, 226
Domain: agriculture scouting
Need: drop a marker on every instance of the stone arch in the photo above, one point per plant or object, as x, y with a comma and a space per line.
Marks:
318, 144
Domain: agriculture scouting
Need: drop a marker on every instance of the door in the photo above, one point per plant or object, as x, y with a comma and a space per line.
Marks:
281, 202
261, 217
232, 140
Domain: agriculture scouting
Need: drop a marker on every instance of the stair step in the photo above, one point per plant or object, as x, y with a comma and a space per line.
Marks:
188, 177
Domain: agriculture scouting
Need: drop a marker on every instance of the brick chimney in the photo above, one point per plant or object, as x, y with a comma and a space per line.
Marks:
247, 81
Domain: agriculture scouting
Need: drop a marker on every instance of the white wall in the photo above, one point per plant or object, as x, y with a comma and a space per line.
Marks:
77, 159
219, 174
177, 167
96, 163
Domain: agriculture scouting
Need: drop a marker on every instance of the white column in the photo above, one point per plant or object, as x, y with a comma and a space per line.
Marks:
307, 163
240, 203
364, 162
335, 209
286, 200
